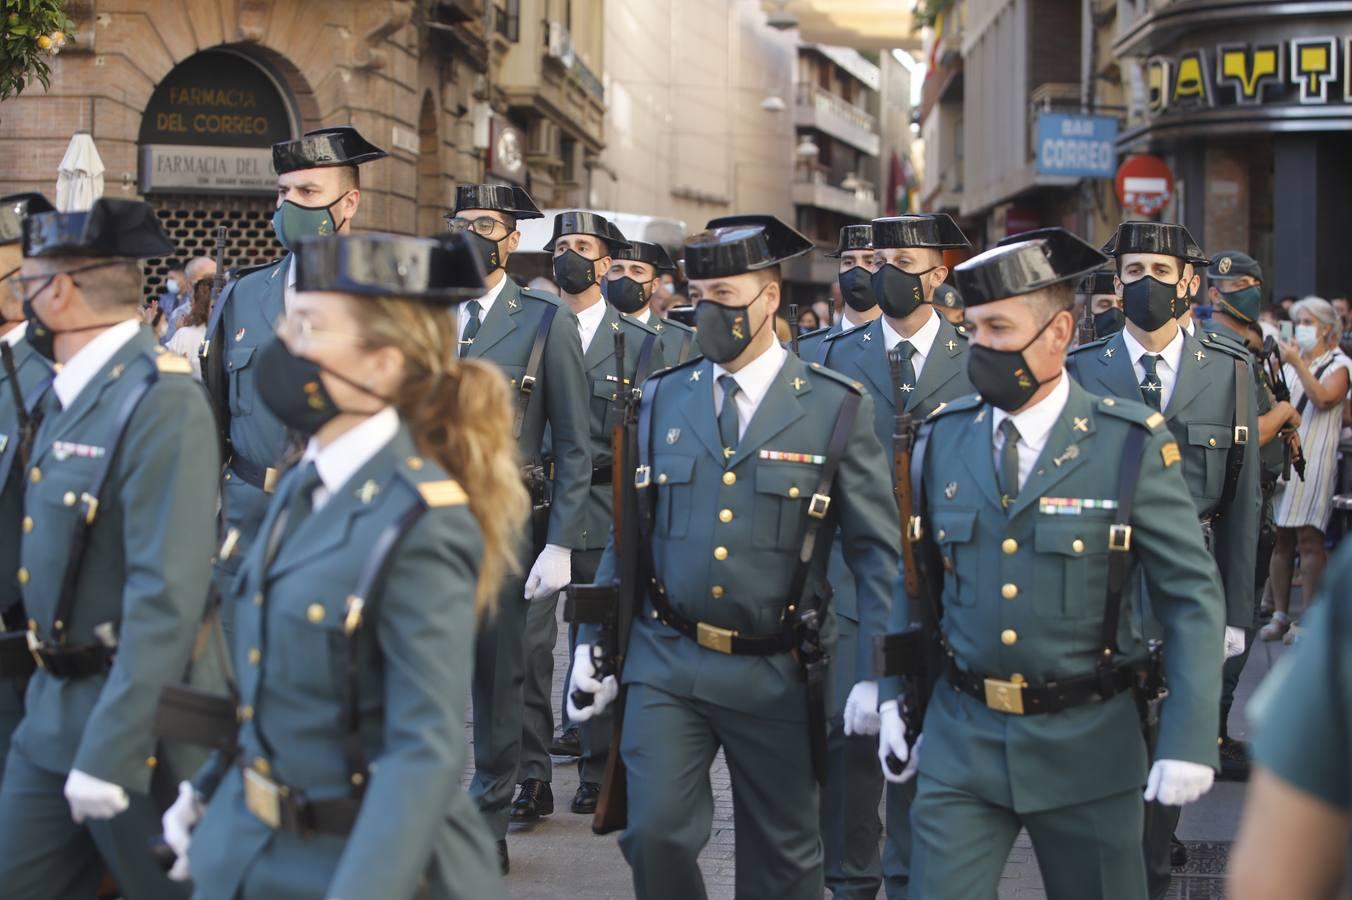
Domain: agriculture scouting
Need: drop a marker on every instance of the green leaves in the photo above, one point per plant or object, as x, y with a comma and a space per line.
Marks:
31, 33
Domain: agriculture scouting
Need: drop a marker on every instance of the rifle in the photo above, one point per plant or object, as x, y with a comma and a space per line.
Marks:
614, 606
218, 280
1281, 390
214, 375
793, 327
28, 422
1088, 332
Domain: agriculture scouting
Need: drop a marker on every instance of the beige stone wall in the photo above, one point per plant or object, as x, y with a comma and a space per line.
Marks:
361, 62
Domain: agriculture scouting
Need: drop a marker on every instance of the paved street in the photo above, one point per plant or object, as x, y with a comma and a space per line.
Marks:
561, 857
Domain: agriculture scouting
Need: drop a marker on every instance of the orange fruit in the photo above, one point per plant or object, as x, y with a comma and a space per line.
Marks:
44, 42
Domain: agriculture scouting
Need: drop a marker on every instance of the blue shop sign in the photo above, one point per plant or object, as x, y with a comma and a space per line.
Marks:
1076, 146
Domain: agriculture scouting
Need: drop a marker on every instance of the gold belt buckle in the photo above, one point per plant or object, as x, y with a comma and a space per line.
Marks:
711, 637
1004, 696
34, 645
270, 478
262, 797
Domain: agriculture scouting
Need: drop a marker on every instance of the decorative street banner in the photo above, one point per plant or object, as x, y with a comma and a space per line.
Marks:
1076, 146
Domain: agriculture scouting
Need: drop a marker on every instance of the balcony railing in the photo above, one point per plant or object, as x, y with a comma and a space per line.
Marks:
812, 187
818, 108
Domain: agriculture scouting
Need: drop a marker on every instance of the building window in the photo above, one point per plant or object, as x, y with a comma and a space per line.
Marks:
507, 19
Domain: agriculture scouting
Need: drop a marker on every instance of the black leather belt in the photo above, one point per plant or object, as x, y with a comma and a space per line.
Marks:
16, 660
73, 662
602, 475
712, 637
264, 478
1018, 698
285, 809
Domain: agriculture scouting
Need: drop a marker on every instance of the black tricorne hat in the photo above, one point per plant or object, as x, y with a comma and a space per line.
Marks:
947, 296
340, 145
853, 237
579, 221
732, 245
654, 255
505, 198
1025, 263
1155, 237
1095, 283
112, 228
936, 231
14, 209
441, 270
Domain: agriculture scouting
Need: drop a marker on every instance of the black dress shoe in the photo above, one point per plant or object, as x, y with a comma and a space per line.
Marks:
584, 801
1178, 854
503, 862
566, 744
535, 799
1234, 760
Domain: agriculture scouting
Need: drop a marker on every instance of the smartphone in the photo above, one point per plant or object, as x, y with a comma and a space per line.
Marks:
683, 314
1287, 330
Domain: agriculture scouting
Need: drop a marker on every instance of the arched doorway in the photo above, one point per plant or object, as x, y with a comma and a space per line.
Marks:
431, 194
204, 153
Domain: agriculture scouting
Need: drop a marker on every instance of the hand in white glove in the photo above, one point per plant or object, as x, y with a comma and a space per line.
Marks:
178, 822
892, 743
861, 709
584, 679
551, 573
1234, 641
1177, 783
93, 798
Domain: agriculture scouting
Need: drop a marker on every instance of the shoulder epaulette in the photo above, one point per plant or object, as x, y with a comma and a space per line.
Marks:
819, 369
542, 296
672, 323
635, 323
1227, 346
679, 367
814, 333
437, 494
848, 331
237, 274
965, 403
1132, 411
1097, 342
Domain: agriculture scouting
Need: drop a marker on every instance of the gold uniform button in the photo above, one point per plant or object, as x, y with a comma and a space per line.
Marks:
1010, 546
68, 498
254, 656
246, 713
151, 762
1009, 637
27, 524
720, 553
262, 766
1077, 545
1009, 591
942, 534
315, 613
725, 516
414, 462
729, 478
36, 475
1211, 442
716, 592
23, 576
662, 479
258, 599
1109, 401
1016, 678
793, 492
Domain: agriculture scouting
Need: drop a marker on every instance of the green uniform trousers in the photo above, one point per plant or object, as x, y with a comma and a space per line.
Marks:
960, 844
497, 695
669, 744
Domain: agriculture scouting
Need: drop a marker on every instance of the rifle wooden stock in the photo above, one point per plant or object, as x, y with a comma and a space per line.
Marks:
793, 327
1087, 330
903, 441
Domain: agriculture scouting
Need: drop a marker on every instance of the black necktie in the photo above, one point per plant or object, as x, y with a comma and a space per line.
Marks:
301, 502
472, 323
1009, 462
727, 416
903, 352
1151, 386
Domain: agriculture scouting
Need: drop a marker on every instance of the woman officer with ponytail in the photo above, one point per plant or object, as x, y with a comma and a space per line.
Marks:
356, 609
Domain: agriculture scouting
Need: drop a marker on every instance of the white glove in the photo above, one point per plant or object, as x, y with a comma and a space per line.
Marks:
1234, 641
177, 822
892, 742
861, 709
551, 573
93, 798
1177, 783
584, 679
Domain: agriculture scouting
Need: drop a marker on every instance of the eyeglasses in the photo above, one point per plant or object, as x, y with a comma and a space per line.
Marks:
484, 225
296, 328
24, 280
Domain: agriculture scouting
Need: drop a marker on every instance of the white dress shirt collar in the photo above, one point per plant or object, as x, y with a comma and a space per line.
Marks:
15, 334
645, 316
1034, 424
588, 321
1171, 355
753, 380
922, 340
347, 453
81, 368
485, 304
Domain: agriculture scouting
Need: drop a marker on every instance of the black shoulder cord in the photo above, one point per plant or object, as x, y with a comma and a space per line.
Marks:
537, 352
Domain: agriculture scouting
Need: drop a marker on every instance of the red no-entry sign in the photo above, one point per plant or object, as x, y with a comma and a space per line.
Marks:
1144, 184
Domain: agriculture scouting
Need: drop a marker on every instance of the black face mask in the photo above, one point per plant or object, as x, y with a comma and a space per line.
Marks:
291, 388
1003, 378
1109, 322
573, 272
897, 292
3, 278
724, 331
486, 249
625, 294
1150, 303
856, 288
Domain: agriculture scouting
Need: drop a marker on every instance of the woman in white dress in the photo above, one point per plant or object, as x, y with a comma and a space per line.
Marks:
188, 338
1318, 374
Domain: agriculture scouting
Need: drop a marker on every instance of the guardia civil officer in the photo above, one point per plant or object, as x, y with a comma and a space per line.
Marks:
582, 246
19, 395
908, 270
356, 615
1096, 291
1042, 502
629, 287
1205, 392
318, 193
751, 458
532, 337
114, 559
948, 303
854, 250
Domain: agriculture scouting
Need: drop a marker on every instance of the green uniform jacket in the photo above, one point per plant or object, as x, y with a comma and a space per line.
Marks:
599, 361
146, 567
678, 341
726, 536
35, 373
1272, 457
559, 397
809, 345
415, 652
1023, 594
1201, 415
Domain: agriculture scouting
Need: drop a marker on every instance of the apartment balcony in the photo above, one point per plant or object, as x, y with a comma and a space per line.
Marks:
831, 115
814, 189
